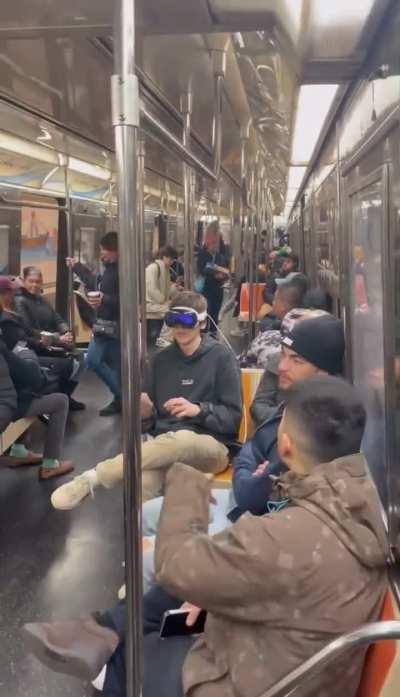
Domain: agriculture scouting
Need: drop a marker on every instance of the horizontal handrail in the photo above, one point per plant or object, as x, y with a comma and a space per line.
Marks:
156, 128
367, 634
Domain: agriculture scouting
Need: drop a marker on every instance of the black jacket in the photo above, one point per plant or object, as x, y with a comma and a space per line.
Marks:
210, 378
108, 284
8, 393
26, 378
13, 330
212, 285
38, 315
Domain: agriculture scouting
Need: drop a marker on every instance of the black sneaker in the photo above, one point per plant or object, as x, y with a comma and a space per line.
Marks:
113, 408
74, 405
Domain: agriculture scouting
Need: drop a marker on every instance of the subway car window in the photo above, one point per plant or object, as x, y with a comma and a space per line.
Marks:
367, 322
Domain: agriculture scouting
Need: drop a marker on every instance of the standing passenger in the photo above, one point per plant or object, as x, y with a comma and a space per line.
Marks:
104, 352
158, 291
211, 265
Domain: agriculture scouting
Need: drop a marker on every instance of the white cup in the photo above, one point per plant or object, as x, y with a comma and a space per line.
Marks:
94, 294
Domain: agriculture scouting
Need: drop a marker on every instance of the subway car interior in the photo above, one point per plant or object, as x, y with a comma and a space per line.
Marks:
272, 126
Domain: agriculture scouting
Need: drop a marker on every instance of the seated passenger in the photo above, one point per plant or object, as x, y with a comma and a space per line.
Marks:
21, 385
313, 347
49, 334
158, 291
286, 297
318, 299
267, 348
193, 407
277, 588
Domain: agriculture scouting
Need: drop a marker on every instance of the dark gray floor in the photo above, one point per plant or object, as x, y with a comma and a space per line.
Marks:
56, 564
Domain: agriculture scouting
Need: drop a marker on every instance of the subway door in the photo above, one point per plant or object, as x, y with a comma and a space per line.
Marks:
370, 321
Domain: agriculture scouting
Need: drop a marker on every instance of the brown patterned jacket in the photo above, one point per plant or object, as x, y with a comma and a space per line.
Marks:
277, 587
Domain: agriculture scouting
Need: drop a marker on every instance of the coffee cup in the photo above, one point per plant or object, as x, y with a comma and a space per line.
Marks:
94, 294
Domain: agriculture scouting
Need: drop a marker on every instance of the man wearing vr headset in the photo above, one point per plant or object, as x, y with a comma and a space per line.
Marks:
192, 407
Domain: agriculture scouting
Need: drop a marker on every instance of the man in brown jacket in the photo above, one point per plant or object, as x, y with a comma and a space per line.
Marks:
277, 588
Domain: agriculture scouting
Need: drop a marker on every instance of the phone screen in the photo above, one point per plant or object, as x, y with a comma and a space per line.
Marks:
174, 624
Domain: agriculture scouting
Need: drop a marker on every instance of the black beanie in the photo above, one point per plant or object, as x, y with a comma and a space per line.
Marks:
319, 341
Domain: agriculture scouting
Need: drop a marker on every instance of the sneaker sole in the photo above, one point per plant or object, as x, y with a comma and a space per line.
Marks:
69, 507
68, 665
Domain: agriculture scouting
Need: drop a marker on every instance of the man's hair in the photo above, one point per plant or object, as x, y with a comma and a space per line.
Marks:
291, 293
31, 271
167, 251
318, 299
325, 418
294, 258
189, 299
110, 242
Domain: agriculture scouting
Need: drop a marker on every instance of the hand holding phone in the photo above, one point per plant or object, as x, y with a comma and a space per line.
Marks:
175, 623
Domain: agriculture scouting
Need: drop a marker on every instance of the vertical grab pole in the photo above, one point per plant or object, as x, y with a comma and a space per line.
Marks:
141, 251
186, 109
251, 229
125, 119
70, 251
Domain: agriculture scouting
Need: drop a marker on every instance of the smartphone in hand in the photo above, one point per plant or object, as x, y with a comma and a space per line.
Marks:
174, 623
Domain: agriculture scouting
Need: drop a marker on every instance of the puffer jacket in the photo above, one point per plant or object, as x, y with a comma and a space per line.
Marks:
158, 289
279, 587
37, 314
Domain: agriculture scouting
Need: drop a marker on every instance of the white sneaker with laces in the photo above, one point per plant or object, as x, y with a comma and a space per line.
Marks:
70, 495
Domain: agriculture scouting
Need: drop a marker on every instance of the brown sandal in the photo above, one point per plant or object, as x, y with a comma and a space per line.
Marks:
64, 467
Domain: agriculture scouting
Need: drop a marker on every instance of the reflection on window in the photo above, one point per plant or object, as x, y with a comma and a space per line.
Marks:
367, 324
4, 247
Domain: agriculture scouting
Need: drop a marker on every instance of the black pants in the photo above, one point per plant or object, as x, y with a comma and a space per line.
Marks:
60, 370
6, 416
163, 658
214, 303
154, 327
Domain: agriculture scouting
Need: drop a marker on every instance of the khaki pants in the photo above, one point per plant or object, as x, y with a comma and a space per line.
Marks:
204, 453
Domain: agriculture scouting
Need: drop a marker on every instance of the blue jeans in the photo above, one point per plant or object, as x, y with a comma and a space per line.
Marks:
151, 515
104, 358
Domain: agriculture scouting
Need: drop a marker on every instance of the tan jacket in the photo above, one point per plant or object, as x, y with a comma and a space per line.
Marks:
158, 289
277, 587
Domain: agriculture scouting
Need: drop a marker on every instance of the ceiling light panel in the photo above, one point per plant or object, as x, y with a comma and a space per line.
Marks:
313, 105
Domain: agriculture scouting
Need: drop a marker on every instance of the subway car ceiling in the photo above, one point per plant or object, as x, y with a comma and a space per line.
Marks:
271, 59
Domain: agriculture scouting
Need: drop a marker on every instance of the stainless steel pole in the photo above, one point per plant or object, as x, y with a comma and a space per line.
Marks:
125, 118
219, 64
251, 229
70, 251
186, 108
141, 251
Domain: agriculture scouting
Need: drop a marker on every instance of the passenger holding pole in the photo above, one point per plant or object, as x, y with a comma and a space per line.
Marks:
104, 351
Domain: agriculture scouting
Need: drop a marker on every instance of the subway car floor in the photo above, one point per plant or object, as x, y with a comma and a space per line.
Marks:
57, 564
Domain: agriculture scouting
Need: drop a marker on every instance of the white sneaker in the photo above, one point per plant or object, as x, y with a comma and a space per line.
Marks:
122, 592
98, 683
70, 495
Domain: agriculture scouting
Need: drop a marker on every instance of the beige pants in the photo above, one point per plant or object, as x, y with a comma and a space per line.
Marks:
158, 455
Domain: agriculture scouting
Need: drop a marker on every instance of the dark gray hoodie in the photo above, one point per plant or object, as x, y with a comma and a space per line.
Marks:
210, 377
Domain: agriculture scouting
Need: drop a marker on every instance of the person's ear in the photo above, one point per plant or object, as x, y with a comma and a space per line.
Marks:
285, 446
